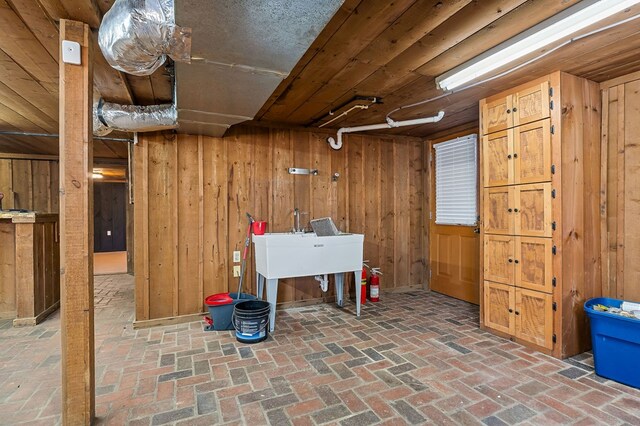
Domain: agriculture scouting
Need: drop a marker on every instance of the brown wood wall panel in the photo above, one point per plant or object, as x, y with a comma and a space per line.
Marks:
620, 190
29, 185
193, 192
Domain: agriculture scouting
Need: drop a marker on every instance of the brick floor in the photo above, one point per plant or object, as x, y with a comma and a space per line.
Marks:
412, 358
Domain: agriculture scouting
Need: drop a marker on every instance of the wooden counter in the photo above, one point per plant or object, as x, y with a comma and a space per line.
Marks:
29, 266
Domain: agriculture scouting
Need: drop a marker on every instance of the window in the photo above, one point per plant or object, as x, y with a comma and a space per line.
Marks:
456, 181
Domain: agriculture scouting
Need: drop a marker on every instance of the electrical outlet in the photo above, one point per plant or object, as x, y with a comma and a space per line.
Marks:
236, 256
108, 233
236, 271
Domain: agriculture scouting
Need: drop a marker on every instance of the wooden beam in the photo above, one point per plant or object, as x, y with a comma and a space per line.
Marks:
76, 230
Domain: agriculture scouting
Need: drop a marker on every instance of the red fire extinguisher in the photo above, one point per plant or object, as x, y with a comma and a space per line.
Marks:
374, 288
363, 287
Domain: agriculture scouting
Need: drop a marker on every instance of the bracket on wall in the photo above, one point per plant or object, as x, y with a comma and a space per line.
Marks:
298, 171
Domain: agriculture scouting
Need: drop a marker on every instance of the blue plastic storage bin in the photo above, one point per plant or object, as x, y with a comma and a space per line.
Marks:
221, 311
616, 343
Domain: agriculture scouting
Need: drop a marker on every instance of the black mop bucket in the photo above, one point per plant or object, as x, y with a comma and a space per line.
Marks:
251, 321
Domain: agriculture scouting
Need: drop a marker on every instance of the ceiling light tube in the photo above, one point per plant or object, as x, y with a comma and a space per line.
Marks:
565, 23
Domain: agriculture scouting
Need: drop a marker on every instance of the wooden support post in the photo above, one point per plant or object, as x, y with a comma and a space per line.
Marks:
76, 230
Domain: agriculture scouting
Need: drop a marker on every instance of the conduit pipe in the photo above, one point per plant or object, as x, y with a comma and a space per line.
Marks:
390, 124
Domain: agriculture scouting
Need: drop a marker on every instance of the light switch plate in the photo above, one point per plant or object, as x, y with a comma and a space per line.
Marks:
236, 271
236, 256
108, 233
71, 52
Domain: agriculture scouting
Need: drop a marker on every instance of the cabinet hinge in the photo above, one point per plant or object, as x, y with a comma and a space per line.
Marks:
553, 129
553, 281
550, 91
554, 250
553, 193
555, 339
551, 105
553, 169
554, 305
553, 225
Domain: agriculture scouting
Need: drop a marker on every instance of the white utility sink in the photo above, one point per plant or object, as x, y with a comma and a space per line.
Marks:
299, 255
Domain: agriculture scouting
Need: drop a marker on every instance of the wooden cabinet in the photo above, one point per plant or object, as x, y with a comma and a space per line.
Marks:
527, 105
518, 156
520, 261
540, 172
526, 314
518, 210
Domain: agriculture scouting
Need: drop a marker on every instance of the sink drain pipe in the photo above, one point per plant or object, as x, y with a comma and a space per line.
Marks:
390, 124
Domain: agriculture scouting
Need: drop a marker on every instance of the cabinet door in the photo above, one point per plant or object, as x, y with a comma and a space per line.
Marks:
533, 210
499, 263
497, 159
531, 104
534, 317
532, 152
496, 115
499, 302
533, 263
499, 210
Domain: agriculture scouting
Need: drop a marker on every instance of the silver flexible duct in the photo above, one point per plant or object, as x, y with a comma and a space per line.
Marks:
108, 116
136, 36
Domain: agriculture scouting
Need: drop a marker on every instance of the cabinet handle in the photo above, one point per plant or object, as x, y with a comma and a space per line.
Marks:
510, 310
515, 210
509, 210
509, 157
515, 109
508, 111
510, 260
515, 155
517, 261
517, 313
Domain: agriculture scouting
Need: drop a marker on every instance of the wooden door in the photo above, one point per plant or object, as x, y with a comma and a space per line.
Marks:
496, 115
534, 317
499, 253
499, 303
532, 152
454, 254
531, 104
498, 205
533, 210
533, 263
497, 159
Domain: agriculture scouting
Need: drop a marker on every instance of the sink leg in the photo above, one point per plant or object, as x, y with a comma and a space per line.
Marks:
260, 281
272, 297
357, 275
339, 289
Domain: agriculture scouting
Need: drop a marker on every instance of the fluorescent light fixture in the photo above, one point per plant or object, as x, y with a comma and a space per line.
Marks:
565, 23
97, 175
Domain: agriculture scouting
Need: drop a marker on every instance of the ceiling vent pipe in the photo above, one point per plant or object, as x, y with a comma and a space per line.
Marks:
390, 124
108, 116
136, 36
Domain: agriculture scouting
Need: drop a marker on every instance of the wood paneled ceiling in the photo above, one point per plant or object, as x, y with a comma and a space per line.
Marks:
393, 50
29, 73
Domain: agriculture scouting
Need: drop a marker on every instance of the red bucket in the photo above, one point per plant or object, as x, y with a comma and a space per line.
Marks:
259, 227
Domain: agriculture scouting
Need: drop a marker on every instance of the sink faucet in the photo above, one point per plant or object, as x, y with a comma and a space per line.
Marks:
296, 220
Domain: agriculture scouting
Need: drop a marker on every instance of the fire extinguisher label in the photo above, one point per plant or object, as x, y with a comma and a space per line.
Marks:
374, 292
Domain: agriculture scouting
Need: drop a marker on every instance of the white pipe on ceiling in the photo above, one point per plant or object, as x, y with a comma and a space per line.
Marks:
390, 124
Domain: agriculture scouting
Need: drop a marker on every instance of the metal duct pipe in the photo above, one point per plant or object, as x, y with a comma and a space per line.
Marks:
108, 116
137, 36
337, 144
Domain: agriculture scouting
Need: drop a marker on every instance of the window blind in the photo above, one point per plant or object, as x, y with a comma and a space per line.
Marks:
456, 181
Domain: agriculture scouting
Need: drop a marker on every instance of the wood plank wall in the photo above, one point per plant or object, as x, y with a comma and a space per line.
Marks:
29, 184
620, 188
191, 194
